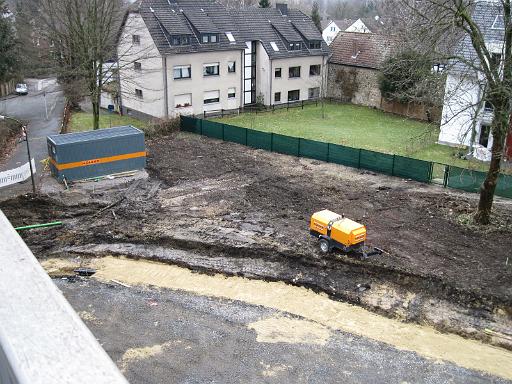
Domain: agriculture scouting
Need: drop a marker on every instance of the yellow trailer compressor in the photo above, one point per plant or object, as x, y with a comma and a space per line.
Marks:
336, 231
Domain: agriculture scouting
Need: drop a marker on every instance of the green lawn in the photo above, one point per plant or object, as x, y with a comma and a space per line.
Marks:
359, 127
82, 121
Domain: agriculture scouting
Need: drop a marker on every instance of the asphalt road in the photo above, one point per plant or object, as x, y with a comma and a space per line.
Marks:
164, 336
31, 110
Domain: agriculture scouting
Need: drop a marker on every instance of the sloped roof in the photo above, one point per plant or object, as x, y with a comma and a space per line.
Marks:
484, 14
366, 50
341, 23
164, 18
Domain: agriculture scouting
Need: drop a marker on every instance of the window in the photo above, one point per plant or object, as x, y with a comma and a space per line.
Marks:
277, 72
209, 38
499, 22
484, 135
211, 97
230, 37
277, 97
137, 66
333, 29
293, 95
314, 70
274, 46
183, 101
294, 46
138, 93
231, 66
293, 72
135, 39
314, 93
185, 40
176, 40
211, 69
488, 106
182, 72
315, 44
231, 93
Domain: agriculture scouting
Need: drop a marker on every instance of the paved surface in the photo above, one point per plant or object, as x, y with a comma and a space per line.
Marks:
31, 110
194, 339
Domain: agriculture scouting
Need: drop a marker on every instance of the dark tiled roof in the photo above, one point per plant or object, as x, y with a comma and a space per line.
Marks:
189, 17
164, 18
367, 50
261, 24
484, 14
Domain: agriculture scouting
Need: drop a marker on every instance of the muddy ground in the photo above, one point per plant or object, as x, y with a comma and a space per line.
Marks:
216, 206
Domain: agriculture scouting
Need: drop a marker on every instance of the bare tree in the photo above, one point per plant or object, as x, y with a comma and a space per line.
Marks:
452, 32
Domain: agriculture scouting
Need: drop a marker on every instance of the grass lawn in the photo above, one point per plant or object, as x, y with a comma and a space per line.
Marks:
359, 127
82, 121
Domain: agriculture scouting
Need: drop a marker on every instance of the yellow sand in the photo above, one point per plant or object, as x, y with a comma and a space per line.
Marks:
134, 354
282, 329
315, 307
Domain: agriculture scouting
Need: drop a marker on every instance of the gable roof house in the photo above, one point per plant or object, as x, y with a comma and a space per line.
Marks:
354, 67
191, 56
331, 28
466, 116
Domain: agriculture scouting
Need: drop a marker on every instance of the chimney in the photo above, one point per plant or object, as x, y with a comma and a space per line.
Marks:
283, 8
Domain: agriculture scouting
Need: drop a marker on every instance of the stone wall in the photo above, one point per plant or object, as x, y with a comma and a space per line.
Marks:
360, 86
354, 85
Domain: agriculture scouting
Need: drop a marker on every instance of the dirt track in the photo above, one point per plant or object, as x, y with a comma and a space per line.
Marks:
245, 211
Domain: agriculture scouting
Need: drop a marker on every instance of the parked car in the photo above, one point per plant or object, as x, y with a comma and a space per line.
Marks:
21, 89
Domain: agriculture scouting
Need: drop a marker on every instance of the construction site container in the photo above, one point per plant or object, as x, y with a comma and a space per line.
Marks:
91, 154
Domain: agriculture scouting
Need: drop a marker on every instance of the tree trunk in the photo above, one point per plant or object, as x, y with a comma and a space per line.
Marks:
483, 214
95, 112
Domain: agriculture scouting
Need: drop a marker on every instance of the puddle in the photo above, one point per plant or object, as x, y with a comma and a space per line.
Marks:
317, 308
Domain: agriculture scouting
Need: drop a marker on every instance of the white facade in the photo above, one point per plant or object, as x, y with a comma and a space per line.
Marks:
141, 89
331, 31
194, 83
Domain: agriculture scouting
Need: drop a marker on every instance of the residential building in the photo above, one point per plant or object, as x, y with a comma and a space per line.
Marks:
466, 115
354, 67
194, 56
331, 28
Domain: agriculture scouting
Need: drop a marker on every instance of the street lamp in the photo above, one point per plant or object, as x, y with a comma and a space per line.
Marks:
25, 135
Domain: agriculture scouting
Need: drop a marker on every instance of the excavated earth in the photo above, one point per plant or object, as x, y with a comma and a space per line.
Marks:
220, 207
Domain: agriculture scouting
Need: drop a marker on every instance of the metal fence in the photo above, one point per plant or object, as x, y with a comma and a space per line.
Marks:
257, 108
394, 165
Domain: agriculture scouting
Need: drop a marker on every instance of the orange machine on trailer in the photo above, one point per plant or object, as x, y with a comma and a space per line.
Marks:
335, 231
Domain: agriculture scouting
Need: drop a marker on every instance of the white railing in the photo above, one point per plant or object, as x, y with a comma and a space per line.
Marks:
42, 339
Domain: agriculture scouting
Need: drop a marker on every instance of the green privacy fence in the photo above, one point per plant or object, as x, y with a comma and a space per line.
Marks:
393, 165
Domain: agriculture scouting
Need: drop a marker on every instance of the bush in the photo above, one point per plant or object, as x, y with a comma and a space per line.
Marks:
162, 127
408, 77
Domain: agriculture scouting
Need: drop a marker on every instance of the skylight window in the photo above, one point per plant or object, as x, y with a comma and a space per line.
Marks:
499, 23
230, 37
274, 46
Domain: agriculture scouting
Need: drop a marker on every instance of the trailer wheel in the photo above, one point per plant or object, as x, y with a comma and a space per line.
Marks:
324, 245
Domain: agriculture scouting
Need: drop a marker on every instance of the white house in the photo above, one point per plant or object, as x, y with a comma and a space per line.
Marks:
467, 117
191, 56
332, 27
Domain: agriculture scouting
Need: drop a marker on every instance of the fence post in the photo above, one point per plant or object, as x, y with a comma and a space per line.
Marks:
298, 147
201, 126
222, 112
288, 105
204, 114
328, 159
246, 134
302, 106
359, 159
446, 175
393, 166
431, 172
271, 141
223, 132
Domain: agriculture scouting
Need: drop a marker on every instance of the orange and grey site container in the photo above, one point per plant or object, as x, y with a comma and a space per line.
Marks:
90, 154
